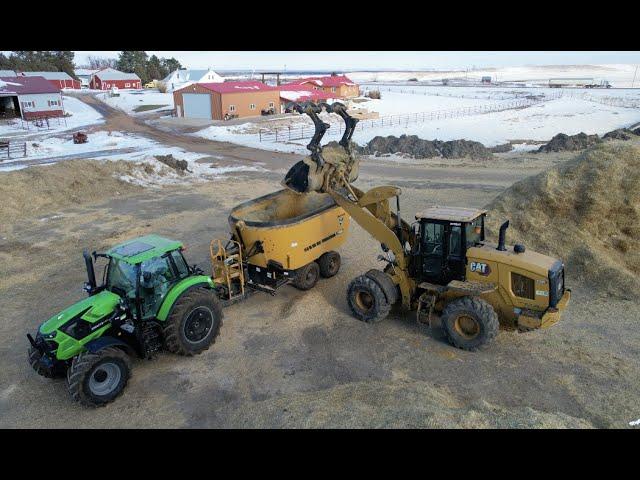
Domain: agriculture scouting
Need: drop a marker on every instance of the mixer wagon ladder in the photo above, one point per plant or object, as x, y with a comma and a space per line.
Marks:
227, 267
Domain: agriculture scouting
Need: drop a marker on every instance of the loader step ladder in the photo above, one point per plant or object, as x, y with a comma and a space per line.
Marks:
227, 267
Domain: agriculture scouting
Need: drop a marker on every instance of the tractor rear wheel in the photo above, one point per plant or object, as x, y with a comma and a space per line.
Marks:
469, 323
307, 276
194, 322
329, 263
95, 379
367, 300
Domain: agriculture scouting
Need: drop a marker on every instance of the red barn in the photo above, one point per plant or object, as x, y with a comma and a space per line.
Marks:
110, 77
57, 79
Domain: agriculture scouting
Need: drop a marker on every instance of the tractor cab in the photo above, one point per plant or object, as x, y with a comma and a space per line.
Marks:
141, 272
443, 235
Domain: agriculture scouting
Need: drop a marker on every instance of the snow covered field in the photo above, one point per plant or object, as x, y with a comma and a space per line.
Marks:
81, 115
124, 146
135, 102
563, 111
619, 75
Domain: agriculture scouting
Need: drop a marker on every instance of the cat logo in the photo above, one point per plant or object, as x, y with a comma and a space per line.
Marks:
481, 268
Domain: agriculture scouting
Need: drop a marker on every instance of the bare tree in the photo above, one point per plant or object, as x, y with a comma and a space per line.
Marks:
97, 63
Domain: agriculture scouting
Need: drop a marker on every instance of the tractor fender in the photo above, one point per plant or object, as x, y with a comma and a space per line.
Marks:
385, 283
177, 291
98, 344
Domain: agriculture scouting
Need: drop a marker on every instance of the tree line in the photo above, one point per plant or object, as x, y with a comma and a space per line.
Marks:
146, 67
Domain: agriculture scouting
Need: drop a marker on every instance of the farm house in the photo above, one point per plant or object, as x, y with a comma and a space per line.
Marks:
84, 75
29, 98
215, 100
182, 77
57, 79
302, 93
110, 77
340, 86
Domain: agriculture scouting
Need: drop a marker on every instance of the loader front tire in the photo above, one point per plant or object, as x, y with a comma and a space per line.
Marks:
307, 276
469, 323
367, 300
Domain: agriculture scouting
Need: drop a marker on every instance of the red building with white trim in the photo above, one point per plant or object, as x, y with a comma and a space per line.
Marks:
57, 79
29, 98
109, 77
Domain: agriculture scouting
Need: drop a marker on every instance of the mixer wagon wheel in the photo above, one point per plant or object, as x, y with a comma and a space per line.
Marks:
329, 264
307, 276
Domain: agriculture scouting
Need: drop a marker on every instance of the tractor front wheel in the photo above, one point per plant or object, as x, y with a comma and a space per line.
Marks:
469, 323
194, 322
95, 379
367, 300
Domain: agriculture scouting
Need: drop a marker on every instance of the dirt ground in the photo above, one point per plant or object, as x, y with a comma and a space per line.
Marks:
299, 359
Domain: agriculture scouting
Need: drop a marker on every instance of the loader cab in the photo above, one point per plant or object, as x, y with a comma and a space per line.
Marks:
444, 235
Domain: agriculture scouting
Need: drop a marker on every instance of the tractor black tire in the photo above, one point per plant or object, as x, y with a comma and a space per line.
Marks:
307, 276
329, 263
194, 322
367, 300
34, 361
95, 379
469, 323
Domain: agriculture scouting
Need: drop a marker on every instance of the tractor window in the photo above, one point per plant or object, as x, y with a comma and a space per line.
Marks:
455, 241
155, 281
121, 276
181, 265
473, 231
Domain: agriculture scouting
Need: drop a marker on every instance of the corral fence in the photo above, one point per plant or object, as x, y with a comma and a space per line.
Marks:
300, 132
431, 93
623, 102
10, 149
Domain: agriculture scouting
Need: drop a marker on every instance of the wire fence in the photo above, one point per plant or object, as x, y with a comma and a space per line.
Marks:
300, 132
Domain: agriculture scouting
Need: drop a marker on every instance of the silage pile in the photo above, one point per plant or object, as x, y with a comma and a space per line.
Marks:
587, 212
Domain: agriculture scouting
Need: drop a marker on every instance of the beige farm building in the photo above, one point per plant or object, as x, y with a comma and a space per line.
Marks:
214, 100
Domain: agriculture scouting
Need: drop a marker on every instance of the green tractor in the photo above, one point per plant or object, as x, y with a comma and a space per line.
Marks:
150, 298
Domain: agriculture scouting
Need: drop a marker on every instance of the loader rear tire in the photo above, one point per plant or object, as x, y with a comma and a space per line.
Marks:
329, 263
194, 322
367, 300
307, 276
469, 323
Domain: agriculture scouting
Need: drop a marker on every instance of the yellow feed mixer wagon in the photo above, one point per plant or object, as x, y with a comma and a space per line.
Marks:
283, 237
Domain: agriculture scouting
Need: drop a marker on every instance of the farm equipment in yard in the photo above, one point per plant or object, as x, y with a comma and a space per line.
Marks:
79, 137
440, 263
150, 298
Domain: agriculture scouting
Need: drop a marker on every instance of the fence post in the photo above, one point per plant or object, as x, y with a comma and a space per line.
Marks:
25, 148
260, 134
9, 149
289, 132
276, 134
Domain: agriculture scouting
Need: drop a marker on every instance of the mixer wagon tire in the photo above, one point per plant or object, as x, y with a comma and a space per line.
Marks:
329, 263
469, 323
194, 322
307, 276
367, 300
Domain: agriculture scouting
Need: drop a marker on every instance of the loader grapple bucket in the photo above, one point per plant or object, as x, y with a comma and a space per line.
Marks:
297, 178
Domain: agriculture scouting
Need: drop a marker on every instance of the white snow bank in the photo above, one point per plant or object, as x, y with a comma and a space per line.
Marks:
129, 100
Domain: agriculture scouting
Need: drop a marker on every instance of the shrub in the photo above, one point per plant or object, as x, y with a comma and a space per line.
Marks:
375, 94
161, 86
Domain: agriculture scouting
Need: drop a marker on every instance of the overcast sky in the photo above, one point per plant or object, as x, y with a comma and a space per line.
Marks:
360, 60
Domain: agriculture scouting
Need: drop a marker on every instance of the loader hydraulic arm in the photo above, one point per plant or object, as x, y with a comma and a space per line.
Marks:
369, 209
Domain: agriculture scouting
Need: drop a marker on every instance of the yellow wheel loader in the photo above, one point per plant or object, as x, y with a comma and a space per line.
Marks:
439, 263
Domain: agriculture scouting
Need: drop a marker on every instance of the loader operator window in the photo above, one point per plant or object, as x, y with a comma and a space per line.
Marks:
455, 241
433, 236
473, 232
